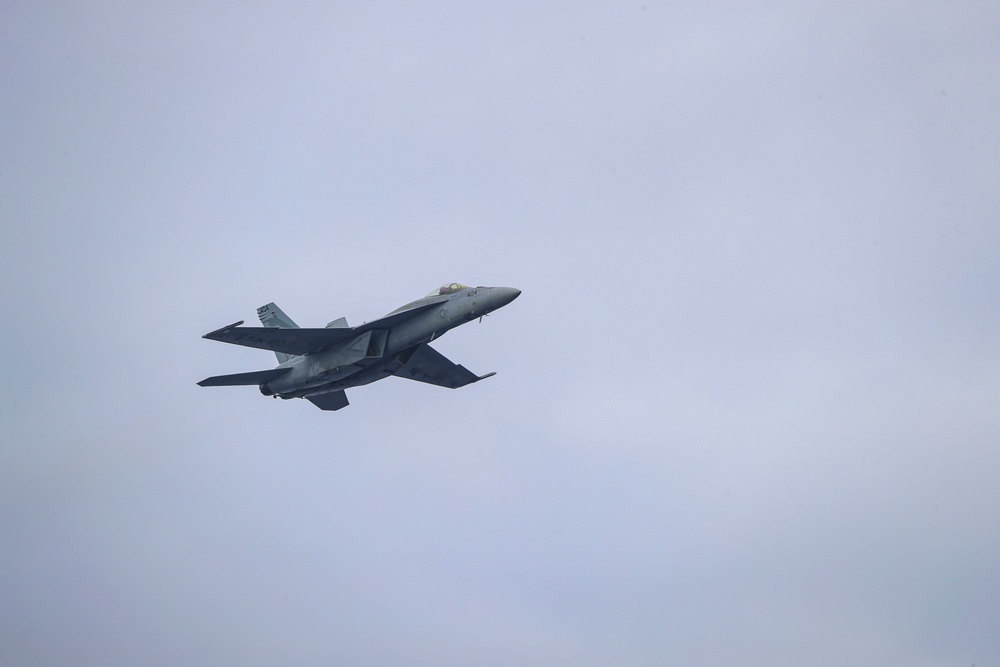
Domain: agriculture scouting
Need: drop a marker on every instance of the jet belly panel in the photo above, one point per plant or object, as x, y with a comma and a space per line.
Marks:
419, 329
334, 363
328, 364
435, 322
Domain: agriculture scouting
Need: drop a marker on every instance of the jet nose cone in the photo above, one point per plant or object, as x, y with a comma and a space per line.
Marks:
501, 296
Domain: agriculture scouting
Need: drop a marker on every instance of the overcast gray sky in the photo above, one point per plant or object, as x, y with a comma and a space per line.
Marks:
748, 404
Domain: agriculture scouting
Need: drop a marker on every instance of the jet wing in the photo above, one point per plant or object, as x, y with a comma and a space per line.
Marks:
304, 341
426, 364
289, 341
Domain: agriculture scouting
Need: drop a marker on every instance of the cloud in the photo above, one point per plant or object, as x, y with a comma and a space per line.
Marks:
745, 407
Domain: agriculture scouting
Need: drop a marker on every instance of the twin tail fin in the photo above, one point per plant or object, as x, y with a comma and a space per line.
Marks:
272, 316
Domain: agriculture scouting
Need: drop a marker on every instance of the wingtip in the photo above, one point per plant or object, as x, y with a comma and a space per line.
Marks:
225, 328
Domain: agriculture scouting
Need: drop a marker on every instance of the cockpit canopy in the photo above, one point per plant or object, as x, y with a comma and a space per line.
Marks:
448, 289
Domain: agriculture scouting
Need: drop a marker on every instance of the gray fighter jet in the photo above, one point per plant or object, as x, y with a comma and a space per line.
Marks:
319, 364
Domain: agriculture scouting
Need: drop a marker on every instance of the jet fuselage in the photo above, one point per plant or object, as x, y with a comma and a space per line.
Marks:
320, 362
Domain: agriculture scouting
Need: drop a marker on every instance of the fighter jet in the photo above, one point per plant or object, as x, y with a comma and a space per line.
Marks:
319, 364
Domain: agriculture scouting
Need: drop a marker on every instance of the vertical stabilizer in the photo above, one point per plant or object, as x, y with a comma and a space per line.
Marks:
272, 316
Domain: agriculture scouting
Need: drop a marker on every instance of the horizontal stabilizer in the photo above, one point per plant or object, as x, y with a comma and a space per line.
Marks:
331, 400
237, 379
